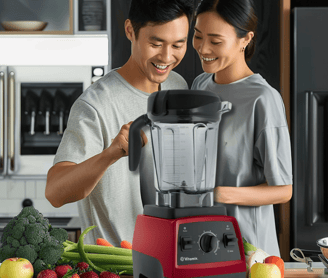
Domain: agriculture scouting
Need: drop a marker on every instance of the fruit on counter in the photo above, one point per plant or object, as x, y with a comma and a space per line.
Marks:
108, 274
61, 270
263, 270
103, 242
99, 258
256, 257
29, 235
82, 266
89, 274
47, 273
278, 262
126, 244
16, 267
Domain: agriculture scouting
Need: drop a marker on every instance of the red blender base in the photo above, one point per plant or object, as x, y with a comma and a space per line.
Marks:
195, 246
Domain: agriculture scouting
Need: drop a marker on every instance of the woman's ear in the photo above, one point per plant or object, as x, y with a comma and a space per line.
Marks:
248, 38
128, 28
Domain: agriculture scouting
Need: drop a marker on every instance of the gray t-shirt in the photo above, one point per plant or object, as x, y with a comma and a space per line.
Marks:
254, 147
95, 118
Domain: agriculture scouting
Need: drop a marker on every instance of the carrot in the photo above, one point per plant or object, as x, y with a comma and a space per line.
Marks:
103, 242
126, 244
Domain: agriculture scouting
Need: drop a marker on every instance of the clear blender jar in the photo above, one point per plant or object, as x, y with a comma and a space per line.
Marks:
184, 126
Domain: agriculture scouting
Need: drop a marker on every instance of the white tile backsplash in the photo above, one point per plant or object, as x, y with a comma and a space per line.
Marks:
16, 189
13, 192
30, 189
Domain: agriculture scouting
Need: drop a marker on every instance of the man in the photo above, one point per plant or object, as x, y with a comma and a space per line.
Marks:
91, 164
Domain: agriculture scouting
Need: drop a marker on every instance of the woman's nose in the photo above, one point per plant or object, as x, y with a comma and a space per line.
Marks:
204, 48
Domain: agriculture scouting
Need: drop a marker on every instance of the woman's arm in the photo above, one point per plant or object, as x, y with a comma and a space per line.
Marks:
259, 195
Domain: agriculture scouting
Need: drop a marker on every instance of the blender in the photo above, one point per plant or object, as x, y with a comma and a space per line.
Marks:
184, 234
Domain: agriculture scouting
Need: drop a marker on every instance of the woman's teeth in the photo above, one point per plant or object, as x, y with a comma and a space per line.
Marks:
208, 59
160, 67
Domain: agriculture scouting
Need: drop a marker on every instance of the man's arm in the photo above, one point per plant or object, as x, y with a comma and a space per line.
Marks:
69, 182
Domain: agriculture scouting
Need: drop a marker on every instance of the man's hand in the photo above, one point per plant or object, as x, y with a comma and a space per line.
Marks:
121, 141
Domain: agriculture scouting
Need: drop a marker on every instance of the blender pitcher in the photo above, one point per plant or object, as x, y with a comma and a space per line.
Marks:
184, 127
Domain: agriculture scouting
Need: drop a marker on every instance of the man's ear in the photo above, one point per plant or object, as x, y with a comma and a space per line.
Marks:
129, 30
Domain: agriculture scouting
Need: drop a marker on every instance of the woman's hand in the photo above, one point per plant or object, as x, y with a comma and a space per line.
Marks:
259, 195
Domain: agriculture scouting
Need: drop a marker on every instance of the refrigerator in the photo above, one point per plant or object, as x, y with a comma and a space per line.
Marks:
309, 126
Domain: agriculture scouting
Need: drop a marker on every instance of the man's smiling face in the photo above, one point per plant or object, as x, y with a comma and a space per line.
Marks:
160, 48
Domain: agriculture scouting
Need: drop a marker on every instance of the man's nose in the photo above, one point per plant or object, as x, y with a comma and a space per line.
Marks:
166, 54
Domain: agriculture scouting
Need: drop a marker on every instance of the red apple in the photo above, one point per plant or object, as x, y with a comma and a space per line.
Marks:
277, 261
16, 267
259, 270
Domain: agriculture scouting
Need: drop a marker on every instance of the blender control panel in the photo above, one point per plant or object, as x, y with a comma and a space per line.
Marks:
207, 242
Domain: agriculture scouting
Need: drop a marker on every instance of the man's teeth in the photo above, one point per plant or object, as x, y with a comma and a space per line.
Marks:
160, 67
208, 59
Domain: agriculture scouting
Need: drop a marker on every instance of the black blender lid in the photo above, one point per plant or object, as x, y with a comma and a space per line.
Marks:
184, 106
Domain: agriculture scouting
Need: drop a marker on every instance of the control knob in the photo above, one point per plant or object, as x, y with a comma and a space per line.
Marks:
208, 242
229, 240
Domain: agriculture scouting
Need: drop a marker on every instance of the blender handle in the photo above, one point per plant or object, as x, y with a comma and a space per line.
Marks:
135, 143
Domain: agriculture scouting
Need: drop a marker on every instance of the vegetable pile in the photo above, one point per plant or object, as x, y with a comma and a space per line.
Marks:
29, 235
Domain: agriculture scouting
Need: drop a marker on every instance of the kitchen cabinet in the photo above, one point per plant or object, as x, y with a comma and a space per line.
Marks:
58, 14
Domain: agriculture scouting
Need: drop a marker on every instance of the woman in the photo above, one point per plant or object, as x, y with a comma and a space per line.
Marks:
254, 169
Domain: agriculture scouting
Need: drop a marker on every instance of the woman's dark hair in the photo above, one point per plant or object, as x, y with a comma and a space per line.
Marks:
238, 13
143, 12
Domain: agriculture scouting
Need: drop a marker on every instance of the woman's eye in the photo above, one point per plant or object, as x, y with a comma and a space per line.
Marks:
216, 43
197, 38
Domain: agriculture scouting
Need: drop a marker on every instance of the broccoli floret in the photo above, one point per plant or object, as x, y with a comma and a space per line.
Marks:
31, 219
34, 233
27, 211
39, 265
60, 234
6, 251
23, 241
45, 223
27, 252
50, 254
18, 230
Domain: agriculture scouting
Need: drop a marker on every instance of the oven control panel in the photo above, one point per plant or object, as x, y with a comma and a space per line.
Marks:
207, 242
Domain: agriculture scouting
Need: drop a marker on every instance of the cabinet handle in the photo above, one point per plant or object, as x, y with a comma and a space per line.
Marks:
11, 115
2, 120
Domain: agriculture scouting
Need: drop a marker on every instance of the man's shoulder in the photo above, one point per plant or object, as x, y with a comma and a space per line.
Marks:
175, 81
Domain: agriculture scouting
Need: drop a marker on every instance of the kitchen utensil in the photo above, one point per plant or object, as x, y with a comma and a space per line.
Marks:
45, 108
306, 254
31, 107
24, 25
184, 234
59, 108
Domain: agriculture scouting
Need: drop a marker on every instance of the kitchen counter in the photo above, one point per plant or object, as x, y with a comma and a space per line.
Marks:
298, 269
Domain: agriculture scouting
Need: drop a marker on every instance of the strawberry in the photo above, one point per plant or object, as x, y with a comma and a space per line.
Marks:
62, 269
47, 273
82, 265
108, 274
89, 274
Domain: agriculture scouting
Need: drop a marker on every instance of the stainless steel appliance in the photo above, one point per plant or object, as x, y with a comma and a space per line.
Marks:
34, 106
184, 234
309, 127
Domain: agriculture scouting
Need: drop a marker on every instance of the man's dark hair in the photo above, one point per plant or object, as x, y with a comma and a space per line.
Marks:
158, 12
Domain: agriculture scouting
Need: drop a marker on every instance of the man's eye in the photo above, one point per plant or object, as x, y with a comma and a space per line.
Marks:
216, 43
156, 45
177, 46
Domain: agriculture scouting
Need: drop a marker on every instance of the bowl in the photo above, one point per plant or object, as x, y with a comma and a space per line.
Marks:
24, 25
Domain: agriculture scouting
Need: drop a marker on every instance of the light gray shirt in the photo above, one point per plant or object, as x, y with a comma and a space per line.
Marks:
254, 148
95, 118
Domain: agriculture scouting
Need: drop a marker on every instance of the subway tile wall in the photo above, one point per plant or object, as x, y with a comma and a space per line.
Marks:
13, 193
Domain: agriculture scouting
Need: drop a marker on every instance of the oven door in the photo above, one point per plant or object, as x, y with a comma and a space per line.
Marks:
34, 112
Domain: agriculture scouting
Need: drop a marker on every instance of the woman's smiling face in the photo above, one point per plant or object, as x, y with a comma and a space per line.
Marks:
216, 43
